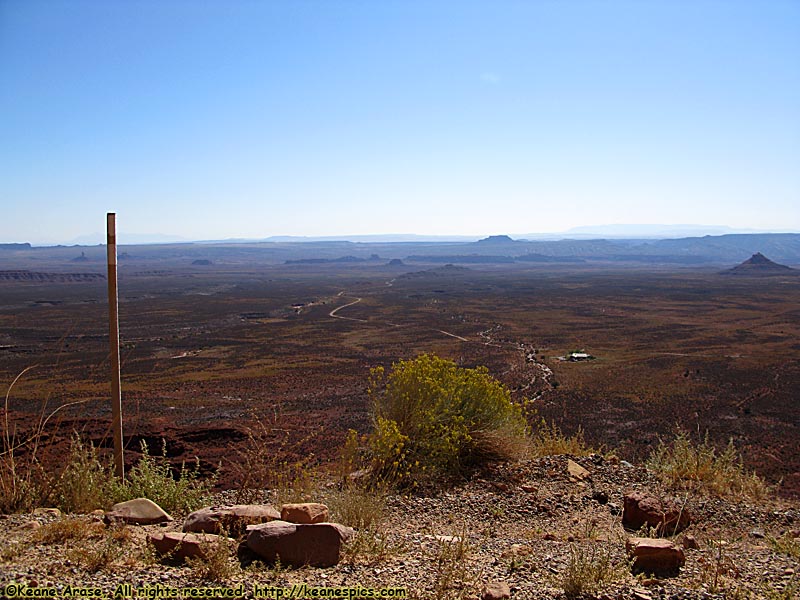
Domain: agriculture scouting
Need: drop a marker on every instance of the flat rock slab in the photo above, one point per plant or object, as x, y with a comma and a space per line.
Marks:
666, 516
232, 519
576, 471
498, 590
305, 512
184, 545
139, 511
317, 544
654, 555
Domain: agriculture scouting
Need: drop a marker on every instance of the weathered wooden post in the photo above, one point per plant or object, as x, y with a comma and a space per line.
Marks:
113, 338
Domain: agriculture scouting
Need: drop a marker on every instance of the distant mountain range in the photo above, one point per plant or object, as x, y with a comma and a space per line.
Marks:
615, 232
130, 239
715, 251
655, 231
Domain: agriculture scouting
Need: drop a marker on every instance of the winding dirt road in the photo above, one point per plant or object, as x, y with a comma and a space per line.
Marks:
335, 310
544, 372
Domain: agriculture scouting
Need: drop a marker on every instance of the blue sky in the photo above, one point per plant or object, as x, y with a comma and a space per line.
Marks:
216, 119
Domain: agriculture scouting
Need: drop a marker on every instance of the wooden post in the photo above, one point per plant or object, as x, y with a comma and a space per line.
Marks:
113, 338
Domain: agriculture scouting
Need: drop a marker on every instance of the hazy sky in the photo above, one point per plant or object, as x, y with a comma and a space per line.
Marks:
214, 119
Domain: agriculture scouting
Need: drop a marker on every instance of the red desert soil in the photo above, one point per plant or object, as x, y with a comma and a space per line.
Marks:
210, 354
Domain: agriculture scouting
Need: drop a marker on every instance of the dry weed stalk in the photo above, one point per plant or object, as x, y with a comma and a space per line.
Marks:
21, 481
268, 463
24, 484
455, 577
719, 573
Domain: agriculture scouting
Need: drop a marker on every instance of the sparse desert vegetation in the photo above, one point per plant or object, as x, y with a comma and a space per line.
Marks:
274, 397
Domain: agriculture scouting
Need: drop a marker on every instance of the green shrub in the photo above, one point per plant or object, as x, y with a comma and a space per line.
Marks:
85, 483
152, 477
433, 419
686, 465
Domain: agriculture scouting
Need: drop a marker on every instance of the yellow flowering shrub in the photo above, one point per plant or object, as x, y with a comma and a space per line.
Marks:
433, 419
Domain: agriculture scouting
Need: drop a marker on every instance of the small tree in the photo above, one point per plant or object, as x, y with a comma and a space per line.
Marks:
433, 419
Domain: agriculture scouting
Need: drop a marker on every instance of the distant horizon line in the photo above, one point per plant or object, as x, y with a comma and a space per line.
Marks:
623, 232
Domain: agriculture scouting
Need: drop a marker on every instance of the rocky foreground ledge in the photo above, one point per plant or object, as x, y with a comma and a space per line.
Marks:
513, 531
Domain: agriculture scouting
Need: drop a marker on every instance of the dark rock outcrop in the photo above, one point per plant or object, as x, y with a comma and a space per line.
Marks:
759, 265
23, 275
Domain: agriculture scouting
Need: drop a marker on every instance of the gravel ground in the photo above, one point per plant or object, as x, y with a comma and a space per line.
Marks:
521, 524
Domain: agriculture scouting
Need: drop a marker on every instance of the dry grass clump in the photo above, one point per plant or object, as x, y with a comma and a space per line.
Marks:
357, 506
589, 569
22, 484
89, 544
787, 544
718, 571
683, 464
104, 554
217, 564
64, 530
360, 503
371, 544
10, 551
549, 440
790, 591
455, 578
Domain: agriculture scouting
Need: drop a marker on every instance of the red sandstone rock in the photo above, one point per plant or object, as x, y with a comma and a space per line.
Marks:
666, 515
317, 544
654, 555
305, 513
183, 545
498, 590
232, 519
